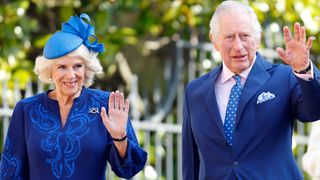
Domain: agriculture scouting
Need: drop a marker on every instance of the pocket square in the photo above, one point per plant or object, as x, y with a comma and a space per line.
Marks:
265, 96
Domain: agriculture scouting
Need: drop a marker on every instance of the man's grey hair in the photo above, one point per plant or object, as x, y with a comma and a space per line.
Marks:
234, 7
43, 66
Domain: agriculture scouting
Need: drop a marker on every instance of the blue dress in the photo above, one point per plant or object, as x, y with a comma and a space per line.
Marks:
37, 147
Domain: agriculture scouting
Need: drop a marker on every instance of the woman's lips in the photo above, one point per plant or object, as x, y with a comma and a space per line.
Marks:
70, 84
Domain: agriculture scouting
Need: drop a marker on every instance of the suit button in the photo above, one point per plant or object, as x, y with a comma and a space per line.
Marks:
235, 164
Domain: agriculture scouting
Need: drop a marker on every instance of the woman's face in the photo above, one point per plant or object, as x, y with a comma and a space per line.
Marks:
68, 75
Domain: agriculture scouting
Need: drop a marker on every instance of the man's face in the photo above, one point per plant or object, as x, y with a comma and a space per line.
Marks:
236, 41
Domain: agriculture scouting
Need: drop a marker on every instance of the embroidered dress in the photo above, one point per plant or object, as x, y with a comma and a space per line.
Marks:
37, 147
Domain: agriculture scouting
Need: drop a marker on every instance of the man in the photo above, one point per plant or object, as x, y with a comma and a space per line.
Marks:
248, 136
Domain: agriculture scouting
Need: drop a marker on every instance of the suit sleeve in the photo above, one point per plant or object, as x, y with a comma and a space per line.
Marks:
306, 98
14, 161
190, 156
134, 159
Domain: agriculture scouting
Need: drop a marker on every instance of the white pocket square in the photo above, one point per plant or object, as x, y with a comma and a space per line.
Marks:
265, 96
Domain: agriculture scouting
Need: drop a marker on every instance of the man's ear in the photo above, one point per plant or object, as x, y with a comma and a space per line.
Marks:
258, 43
214, 41
259, 40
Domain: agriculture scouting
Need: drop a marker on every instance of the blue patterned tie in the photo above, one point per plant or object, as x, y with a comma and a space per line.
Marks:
232, 107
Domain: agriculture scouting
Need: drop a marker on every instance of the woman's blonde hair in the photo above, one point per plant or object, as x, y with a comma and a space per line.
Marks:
43, 66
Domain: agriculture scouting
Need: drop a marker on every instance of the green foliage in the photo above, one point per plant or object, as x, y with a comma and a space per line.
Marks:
26, 25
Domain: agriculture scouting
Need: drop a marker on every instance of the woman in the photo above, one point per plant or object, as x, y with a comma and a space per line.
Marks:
65, 133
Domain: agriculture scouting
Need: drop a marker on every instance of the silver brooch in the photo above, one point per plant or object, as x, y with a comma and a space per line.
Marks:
93, 110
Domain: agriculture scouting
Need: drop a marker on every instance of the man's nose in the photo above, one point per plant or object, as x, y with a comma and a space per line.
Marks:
237, 43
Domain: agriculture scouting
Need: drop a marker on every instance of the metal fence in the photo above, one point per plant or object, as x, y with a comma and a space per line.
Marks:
159, 130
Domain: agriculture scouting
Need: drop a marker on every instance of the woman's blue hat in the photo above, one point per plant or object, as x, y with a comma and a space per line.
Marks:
73, 33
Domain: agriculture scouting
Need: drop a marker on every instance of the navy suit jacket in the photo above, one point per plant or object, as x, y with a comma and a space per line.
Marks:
263, 132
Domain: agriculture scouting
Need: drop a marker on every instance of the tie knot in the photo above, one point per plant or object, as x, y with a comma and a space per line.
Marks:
237, 78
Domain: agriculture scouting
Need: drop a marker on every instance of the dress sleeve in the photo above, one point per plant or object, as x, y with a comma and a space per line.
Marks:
14, 159
134, 159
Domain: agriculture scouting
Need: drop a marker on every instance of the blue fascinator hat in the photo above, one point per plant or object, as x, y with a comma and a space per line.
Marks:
73, 33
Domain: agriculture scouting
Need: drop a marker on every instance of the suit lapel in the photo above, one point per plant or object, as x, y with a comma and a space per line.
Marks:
256, 78
210, 99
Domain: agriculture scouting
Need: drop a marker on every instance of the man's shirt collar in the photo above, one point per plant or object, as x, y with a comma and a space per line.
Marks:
226, 73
